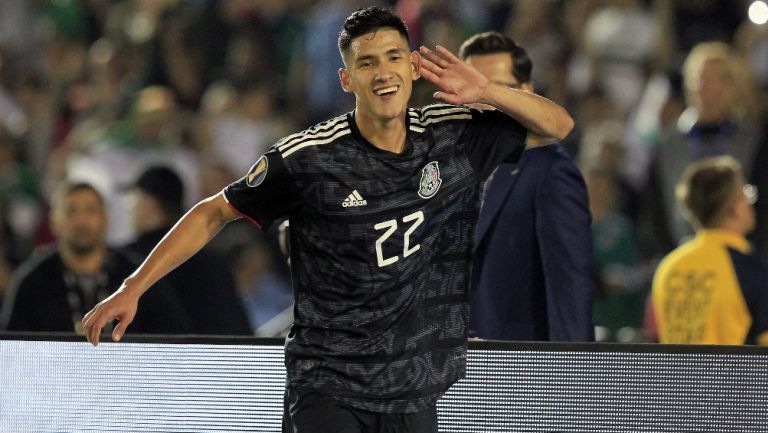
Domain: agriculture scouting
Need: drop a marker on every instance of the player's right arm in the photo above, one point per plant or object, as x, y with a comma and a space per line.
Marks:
186, 238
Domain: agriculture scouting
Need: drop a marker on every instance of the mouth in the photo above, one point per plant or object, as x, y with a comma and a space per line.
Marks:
386, 91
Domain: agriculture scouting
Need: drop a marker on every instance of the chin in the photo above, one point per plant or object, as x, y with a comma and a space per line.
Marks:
396, 111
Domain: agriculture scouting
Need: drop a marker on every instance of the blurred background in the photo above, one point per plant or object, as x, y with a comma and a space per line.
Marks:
99, 90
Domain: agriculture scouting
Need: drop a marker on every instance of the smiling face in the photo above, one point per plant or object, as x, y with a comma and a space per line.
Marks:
380, 71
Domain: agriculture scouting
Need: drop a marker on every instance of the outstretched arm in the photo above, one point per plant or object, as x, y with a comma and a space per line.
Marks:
460, 83
185, 239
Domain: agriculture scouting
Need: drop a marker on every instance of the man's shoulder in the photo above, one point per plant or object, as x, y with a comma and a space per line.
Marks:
41, 260
687, 253
39, 269
550, 163
554, 152
323, 133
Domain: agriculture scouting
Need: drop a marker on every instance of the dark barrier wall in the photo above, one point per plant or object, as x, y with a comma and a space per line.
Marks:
60, 383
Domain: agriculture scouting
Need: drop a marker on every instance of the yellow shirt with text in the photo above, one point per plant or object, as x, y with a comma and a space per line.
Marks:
711, 290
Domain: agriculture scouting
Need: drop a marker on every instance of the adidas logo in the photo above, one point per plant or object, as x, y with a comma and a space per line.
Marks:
354, 199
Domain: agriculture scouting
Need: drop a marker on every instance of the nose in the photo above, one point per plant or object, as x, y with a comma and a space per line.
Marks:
382, 74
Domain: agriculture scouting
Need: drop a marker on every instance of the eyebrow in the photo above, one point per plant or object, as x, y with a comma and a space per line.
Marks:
389, 52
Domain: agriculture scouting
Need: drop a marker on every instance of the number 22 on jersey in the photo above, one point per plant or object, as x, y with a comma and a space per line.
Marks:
412, 221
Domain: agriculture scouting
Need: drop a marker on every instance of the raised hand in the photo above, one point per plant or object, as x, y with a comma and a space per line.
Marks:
459, 83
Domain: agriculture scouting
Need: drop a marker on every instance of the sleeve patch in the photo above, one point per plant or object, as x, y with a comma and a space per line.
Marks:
258, 172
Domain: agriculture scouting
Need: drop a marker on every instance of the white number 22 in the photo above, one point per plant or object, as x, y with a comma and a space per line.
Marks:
390, 226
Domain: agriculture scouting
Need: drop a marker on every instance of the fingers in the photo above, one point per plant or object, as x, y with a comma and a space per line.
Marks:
431, 67
441, 56
447, 54
90, 328
117, 334
120, 306
93, 323
434, 57
447, 97
88, 324
428, 74
88, 315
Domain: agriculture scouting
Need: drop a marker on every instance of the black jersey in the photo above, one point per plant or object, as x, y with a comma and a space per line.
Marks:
380, 249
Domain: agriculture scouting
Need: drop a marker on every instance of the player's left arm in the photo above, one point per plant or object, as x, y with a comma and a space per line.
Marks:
461, 84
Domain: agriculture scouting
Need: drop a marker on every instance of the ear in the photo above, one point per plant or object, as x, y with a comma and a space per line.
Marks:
344, 79
415, 65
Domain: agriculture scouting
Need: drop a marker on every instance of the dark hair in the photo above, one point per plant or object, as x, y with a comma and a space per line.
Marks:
707, 187
165, 186
64, 190
495, 42
367, 20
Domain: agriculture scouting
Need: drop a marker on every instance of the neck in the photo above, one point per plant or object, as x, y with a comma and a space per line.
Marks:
388, 134
87, 263
732, 226
711, 117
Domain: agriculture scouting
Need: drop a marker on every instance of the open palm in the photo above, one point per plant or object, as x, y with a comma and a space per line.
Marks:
459, 83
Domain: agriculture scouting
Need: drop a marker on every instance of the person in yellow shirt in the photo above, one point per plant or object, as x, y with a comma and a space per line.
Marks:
712, 289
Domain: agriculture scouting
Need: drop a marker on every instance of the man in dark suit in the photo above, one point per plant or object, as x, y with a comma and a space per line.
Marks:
532, 274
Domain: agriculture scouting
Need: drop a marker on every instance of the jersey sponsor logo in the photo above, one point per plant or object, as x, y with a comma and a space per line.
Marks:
258, 172
430, 180
354, 200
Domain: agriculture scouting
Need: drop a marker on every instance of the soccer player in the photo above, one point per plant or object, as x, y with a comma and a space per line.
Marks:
383, 203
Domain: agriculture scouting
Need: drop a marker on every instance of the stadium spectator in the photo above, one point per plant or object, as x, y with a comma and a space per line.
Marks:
266, 295
53, 289
718, 121
204, 284
712, 289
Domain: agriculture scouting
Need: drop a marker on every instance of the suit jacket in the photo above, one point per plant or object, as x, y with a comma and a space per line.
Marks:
532, 277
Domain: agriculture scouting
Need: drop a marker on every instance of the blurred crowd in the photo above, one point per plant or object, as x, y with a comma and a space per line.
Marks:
98, 91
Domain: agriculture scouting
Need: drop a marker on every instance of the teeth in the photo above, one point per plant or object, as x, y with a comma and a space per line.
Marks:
386, 90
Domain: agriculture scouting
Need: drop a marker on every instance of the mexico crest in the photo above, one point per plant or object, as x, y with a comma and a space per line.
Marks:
430, 180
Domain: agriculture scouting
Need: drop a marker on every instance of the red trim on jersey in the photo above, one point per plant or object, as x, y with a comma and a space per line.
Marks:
253, 221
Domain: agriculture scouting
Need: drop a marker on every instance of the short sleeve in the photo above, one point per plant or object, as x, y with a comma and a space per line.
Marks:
266, 193
492, 138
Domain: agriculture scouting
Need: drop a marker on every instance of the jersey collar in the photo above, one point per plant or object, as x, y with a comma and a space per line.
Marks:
731, 239
407, 151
